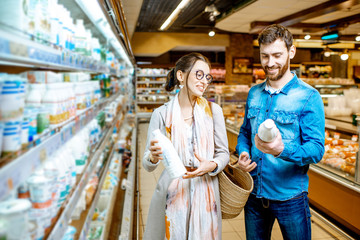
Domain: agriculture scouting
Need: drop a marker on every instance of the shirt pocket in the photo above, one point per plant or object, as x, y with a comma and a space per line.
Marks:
287, 123
252, 114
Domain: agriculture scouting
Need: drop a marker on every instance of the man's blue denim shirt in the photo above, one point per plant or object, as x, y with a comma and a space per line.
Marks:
298, 112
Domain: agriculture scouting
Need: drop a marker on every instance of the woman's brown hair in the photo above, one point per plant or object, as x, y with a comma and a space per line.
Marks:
184, 64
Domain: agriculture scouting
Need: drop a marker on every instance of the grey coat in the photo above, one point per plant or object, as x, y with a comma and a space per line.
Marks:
155, 226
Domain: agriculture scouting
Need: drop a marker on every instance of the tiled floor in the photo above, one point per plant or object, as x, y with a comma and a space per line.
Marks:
233, 229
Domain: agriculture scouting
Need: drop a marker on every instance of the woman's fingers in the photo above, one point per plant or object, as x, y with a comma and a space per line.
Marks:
198, 157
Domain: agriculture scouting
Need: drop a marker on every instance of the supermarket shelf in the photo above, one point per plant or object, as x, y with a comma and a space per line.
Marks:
128, 210
143, 115
17, 50
19, 169
147, 89
150, 82
90, 213
333, 85
150, 103
153, 95
335, 178
341, 126
62, 223
151, 75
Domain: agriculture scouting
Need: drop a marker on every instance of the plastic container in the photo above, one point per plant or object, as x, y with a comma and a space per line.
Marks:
11, 141
36, 93
172, 162
267, 131
51, 102
15, 215
40, 191
80, 93
24, 132
11, 100
12, 13
31, 114
43, 120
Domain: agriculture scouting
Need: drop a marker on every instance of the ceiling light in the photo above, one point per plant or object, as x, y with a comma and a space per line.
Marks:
327, 54
327, 51
211, 33
212, 9
174, 15
357, 38
307, 37
345, 55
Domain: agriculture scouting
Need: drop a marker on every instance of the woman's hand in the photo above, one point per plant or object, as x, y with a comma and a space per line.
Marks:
204, 167
155, 152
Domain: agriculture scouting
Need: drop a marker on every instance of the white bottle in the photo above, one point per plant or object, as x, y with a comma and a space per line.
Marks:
171, 161
267, 131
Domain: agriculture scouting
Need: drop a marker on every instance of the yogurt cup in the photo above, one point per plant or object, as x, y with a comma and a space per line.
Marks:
15, 215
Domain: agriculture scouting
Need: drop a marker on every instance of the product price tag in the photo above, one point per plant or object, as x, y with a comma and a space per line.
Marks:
42, 155
4, 46
19, 49
10, 184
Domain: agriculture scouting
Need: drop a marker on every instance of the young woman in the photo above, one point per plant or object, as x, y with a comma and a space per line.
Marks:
188, 207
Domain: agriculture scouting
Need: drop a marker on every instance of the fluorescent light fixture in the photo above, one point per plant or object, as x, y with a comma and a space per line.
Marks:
307, 37
174, 15
211, 33
330, 36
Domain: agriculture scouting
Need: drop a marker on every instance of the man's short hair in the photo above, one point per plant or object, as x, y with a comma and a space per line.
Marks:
273, 32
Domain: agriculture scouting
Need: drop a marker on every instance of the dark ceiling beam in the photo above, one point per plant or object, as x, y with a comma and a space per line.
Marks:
318, 10
294, 20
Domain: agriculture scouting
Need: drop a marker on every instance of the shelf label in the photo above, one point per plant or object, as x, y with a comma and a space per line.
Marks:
10, 184
19, 49
43, 155
4, 46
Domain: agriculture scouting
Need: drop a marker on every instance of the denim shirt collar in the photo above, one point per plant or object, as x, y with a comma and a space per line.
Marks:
285, 90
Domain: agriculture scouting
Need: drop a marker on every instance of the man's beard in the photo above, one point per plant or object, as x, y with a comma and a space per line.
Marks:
282, 71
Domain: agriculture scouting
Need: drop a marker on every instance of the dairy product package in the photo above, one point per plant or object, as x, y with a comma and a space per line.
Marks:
267, 130
172, 162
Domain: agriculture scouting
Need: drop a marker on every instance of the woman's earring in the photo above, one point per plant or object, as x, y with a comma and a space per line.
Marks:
181, 86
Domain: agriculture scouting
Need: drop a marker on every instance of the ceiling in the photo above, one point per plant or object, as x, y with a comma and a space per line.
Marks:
249, 16
240, 15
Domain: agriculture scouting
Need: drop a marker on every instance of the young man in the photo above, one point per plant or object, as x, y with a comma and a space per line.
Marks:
279, 168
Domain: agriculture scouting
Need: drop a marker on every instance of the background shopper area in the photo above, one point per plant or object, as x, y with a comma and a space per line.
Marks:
79, 80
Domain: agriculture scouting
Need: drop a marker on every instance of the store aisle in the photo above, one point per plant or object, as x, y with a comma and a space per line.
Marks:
233, 229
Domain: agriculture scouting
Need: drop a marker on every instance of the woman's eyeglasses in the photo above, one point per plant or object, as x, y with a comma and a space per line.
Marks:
200, 75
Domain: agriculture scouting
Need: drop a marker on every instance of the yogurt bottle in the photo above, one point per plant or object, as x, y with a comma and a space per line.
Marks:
267, 131
172, 162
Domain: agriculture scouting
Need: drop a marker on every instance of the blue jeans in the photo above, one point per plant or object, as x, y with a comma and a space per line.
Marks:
293, 217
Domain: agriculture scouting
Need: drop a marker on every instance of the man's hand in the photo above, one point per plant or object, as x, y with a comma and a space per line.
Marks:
274, 148
245, 162
204, 167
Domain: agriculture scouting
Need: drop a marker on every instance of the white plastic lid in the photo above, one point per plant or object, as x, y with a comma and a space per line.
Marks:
14, 206
269, 123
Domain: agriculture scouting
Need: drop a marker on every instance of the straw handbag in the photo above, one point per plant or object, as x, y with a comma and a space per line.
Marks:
235, 186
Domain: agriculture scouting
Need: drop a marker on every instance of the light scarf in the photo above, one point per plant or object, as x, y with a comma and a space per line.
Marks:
191, 211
